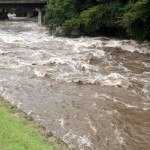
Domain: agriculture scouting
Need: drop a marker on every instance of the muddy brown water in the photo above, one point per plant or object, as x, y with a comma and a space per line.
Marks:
93, 93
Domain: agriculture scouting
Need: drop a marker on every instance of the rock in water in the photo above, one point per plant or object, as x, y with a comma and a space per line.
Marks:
49, 134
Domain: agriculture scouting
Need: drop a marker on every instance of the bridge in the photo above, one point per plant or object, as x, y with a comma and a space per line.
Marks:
28, 5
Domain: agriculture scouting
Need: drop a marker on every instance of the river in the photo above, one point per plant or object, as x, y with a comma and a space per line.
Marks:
92, 93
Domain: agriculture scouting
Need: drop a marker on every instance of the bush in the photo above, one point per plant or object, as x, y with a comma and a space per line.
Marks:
71, 27
110, 17
136, 19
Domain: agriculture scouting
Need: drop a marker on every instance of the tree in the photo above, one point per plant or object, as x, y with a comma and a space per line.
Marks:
90, 17
136, 19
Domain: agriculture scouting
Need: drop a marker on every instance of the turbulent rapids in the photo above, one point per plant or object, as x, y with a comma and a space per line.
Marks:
92, 93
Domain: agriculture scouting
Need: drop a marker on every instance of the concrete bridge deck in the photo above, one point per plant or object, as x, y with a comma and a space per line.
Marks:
22, 3
28, 5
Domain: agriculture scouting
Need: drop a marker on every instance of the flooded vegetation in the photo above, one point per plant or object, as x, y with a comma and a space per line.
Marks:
93, 93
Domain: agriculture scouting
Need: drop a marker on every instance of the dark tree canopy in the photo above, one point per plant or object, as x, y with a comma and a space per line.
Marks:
128, 18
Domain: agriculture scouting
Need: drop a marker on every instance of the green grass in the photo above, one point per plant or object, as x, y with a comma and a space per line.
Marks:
16, 133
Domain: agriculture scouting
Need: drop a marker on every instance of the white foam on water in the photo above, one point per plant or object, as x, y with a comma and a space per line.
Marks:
119, 136
91, 125
146, 91
39, 73
84, 140
62, 123
113, 79
120, 66
130, 45
129, 106
146, 65
146, 108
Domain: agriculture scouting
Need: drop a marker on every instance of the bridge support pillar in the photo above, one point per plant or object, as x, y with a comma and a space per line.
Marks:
39, 16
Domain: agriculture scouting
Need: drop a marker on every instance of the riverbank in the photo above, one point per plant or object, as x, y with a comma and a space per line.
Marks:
19, 132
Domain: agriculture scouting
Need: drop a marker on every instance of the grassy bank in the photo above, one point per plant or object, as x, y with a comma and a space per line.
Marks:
16, 133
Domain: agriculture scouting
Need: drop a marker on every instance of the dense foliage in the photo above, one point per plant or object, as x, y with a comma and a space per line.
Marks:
130, 18
136, 19
18, 12
3, 14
